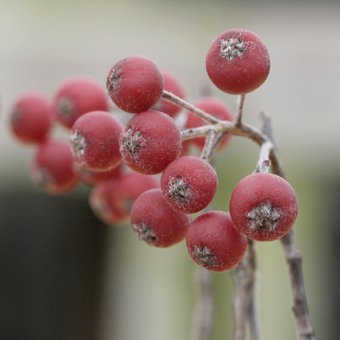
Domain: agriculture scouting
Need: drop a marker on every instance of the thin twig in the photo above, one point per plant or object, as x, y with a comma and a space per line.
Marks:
239, 115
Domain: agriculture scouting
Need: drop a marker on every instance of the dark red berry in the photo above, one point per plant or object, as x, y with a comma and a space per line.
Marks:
31, 118
150, 141
53, 167
263, 206
95, 141
135, 84
189, 184
214, 242
155, 222
238, 62
76, 97
216, 108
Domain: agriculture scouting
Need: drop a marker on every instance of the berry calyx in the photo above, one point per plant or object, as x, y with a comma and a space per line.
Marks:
263, 206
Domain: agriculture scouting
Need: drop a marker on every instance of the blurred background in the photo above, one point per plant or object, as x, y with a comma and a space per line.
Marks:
64, 274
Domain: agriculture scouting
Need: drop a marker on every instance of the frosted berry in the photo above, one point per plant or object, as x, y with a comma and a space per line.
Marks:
111, 201
155, 222
31, 118
214, 242
238, 62
189, 184
95, 141
263, 206
53, 167
171, 84
135, 84
216, 108
150, 141
77, 96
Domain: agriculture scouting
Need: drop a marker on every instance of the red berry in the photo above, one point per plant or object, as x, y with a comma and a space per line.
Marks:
238, 62
111, 201
189, 184
214, 243
95, 141
216, 108
263, 206
53, 167
31, 118
155, 222
150, 141
135, 84
93, 178
76, 97
172, 85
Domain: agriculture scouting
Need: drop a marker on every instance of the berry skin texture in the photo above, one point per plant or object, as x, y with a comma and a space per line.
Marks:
77, 96
189, 184
95, 141
172, 85
53, 167
150, 141
135, 84
263, 206
238, 62
216, 108
31, 118
111, 201
214, 242
155, 222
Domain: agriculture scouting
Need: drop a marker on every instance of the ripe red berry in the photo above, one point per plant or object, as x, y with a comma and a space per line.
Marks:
76, 97
215, 107
111, 201
95, 141
189, 184
155, 222
150, 141
53, 167
263, 206
238, 62
214, 243
172, 85
31, 118
135, 84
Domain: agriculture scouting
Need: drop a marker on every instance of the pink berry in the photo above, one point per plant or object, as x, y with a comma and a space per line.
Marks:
111, 201
95, 141
189, 184
135, 84
150, 141
214, 242
155, 222
76, 97
93, 178
172, 85
263, 206
215, 107
31, 118
53, 167
238, 62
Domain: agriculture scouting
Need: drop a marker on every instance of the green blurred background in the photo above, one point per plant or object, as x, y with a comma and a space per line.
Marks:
65, 275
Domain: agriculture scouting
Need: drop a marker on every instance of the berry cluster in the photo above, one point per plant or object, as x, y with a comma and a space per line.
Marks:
144, 170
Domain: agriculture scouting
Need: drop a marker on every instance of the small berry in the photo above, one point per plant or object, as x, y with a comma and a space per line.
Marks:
172, 85
135, 84
263, 206
95, 141
77, 96
53, 167
214, 242
155, 222
150, 141
93, 178
189, 184
31, 118
215, 107
112, 200
238, 62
